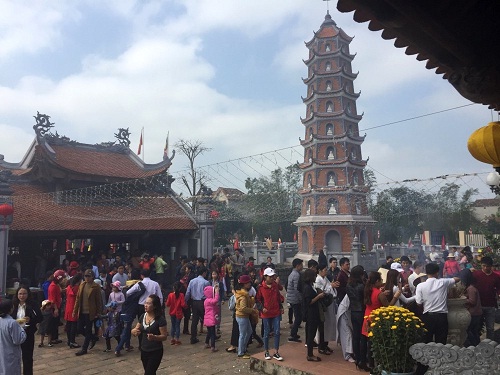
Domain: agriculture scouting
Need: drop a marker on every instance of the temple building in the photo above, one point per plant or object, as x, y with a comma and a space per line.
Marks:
334, 195
71, 197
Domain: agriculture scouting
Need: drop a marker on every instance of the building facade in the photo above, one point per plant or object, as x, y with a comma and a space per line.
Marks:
334, 196
78, 199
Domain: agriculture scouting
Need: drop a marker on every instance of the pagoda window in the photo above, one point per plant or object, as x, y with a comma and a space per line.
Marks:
354, 154
310, 156
311, 133
308, 207
357, 207
328, 48
328, 66
333, 206
355, 179
329, 107
309, 181
331, 179
349, 130
328, 85
311, 110
330, 153
329, 129
348, 108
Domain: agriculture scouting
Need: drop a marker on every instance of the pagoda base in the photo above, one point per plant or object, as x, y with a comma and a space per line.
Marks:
335, 233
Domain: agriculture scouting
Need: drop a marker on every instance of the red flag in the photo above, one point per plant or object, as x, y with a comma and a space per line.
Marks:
82, 246
443, 243
68, 245
279, 241
295, 237
410, 244
236, 244
424, 242
141, 142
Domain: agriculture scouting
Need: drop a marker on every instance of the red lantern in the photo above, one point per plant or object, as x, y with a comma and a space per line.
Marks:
214, 215
6, 210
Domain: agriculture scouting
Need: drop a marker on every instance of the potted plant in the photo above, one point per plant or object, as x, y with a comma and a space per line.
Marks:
392, 330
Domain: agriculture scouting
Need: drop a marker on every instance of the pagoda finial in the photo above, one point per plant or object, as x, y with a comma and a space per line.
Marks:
327, 7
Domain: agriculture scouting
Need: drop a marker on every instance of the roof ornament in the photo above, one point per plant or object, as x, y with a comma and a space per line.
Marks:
43, 124
123, 137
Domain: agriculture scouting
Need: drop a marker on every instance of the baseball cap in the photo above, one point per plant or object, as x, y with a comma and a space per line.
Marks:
397, 266
59, 275
269, 272
112, 304
243, 279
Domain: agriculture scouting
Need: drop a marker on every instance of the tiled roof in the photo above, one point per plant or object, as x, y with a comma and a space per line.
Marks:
486, 203
36, 211
101, 162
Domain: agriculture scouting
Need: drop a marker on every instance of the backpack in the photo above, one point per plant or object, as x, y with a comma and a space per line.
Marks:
232, 303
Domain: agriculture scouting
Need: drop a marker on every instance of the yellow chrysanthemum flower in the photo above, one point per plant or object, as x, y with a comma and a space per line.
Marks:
394, 327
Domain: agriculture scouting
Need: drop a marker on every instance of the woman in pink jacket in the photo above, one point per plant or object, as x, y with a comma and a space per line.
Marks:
212, 314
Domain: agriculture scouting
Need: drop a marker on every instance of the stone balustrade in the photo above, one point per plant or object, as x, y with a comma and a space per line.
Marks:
451, 359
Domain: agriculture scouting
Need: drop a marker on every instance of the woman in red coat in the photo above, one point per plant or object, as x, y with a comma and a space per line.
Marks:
71, 321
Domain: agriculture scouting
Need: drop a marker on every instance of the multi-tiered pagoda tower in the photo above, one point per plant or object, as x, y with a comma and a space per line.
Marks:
334, 204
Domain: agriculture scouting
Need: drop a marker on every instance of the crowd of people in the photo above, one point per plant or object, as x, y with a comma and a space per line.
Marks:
103, 300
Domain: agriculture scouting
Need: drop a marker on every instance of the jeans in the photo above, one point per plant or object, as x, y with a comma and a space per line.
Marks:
175, 330
245, 332
275, 324
127, 327
489, 320
210, 339
297, 313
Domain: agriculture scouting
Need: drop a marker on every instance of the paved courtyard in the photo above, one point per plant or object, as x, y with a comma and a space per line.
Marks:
182, 359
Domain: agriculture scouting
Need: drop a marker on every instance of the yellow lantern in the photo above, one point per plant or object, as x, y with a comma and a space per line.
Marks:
484, 144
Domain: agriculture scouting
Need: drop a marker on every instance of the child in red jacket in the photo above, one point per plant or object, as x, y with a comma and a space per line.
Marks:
269, 302
176, 304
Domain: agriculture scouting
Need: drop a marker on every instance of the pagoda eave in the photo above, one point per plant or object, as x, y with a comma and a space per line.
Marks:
334, 220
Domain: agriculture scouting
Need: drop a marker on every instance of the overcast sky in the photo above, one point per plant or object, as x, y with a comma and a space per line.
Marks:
227, 72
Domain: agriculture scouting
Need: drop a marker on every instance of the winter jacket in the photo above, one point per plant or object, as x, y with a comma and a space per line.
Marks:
269, 297
243, 304
95, 300
211, 304
176, 305
293, 290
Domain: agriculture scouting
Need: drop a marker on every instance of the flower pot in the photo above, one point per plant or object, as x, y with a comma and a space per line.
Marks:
458, 321
396, 373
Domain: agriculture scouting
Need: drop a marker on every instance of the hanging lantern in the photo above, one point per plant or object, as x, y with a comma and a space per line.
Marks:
484, 144
6, 210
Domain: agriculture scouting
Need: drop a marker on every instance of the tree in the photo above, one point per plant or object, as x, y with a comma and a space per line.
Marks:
402, 212
194, 179
272, 203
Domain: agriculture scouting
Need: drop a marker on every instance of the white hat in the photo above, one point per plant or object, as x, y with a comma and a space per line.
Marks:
98, 282
269, 272
397, 266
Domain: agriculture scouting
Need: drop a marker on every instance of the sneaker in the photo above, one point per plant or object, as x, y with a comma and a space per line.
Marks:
106, 350
172, 342
294, 339
277, 357
267, 355
243, 356
350, 359
50, 345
